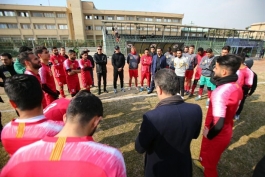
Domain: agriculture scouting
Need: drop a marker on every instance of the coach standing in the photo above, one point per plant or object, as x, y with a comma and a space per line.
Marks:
118, 62
166, 132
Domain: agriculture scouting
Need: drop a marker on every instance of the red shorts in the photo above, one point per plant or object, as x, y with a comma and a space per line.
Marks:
133, 73
189, 74
197, 75
61, 80
73, 87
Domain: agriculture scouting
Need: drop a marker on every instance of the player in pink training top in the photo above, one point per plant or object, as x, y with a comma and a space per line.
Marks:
31, 125
245, 80
32, 64
59, 74
146, 61
224, 102
72, 69
86, 67
57, 109
72, 152
47, 80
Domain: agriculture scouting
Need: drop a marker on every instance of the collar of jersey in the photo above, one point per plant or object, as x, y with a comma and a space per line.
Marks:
35, 119
69, 139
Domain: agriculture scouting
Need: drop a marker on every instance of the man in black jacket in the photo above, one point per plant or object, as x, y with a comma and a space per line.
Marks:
101, 68
118, 62
166, 132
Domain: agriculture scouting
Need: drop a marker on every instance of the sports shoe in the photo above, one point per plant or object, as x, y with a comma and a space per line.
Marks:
182, 97
122, 90
198, 98
129, 88
198, 164
187, 93
136, 88
150, 91
237, 117
191, 95
141, 89
115, 91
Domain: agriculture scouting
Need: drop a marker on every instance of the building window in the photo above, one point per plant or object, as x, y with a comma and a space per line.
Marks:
128, 28
174, 29
109, 28
16, 38
12, 26
110, 18
139, 18
120, 18
63, 27
159, 20
61, 15
23, 14
149, 19
158, 29
193, 34
49, 15
51, 26
98, 28
175, 20
186, 34
5, 38
37, 14
88, 17
148, 29
89, 28
3, 26
200, 35
25, 26
130, 18
167, 29
167, 20
40, 26
9, 13
97, 17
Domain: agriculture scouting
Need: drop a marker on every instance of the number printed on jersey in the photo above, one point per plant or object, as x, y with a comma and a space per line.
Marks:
7, 74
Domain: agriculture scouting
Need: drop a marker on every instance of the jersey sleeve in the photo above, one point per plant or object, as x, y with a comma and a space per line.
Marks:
249, 78
66, 65
81, 64
42, 73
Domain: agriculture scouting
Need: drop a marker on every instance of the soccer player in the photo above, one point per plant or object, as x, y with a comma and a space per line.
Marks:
72, 69
146, 61
86, 67
133, 60
118, 62
90, 58
25, 95
59, 74
32, 64
57, 109
245, 81
218, 127
101, 68
206, 75
201, 53
180, 64
189, 72
63, 53
72, 152
46, 76
186, 50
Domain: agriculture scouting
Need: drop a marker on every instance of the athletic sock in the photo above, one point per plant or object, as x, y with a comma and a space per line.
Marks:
200, 91
193, 88
209, 94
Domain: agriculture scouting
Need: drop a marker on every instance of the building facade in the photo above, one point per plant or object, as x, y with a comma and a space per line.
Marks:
80, 20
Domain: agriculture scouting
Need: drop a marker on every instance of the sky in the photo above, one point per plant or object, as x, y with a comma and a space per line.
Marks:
237, 14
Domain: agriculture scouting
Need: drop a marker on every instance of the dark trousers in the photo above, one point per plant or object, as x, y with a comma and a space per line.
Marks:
180, 85
92, 77
117, 73
104, 75
241, 106
152, 87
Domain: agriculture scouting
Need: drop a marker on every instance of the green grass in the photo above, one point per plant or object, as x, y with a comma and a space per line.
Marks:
122, 120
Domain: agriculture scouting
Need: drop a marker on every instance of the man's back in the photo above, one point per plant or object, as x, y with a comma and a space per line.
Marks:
75, 156
170, 130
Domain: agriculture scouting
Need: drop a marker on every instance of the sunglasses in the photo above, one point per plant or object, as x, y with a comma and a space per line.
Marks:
99, 49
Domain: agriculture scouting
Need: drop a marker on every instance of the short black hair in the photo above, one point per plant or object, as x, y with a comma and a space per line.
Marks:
100, 46
83, 107
192, 46
186, 47
82, 53
24, 56
146, 49
39, 50
177, 50
232, 62
209, 50
159, 48
200, 49
226, 48
169, 49
242, 56
8, 55
166, 79
54, 47
71, 51
152, 47
24, 90
24, 49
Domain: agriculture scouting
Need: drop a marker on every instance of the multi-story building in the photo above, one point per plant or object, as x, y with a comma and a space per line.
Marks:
80, 20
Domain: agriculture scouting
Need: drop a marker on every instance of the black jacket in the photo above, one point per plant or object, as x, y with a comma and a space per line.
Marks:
91, 60
165, 135
101, 62
118, 61
5, 72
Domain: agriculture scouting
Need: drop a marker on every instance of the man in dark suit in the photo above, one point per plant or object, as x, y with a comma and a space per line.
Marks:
159, 62
166, 132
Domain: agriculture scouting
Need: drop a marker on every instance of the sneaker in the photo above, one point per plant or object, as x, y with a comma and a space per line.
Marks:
150, 91
129, 88
182, 97
198, 98
115, 91
191, 95
198, 164
236, 117
122, 90
187, 93
141, 89
136, 88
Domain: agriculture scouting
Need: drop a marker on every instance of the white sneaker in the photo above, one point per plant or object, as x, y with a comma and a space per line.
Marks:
129, 88
237, 117
182, 97
122, 90
136, 88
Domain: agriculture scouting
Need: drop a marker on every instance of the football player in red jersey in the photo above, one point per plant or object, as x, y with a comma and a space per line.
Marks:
86, 67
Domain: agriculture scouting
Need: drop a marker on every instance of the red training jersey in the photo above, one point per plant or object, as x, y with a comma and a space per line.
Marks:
22, 132
57, 61
47, 77
85, 74
146, 61
67, 157
56, 109
245, 77
68, 66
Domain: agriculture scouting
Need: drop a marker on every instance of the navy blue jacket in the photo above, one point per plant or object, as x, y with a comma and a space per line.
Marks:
163, 63
165, 135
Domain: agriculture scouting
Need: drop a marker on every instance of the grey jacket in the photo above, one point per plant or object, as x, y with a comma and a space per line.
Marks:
205, 66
